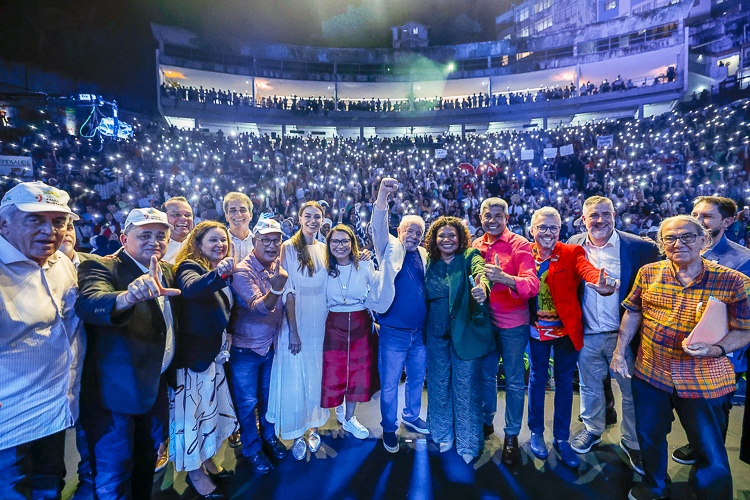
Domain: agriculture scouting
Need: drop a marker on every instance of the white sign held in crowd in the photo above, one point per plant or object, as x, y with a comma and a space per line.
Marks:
550, 153
604, 142
566, 150
22, 166
441, 153
527, 154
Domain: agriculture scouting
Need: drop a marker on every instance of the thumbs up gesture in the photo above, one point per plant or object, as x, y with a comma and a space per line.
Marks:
606, 285
496, 274
226, 266
478, 291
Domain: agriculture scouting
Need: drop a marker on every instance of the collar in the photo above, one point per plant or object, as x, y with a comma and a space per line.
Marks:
249, 236
698, 279
504, 237
613, 240
255, 263
553, 256
140, 266
11, 255
720, 246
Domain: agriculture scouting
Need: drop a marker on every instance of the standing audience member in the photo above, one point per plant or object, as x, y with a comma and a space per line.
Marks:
129, 305
201, 413
511, 270
294, 396
556, 324
350, 347
622, 255
458, 334
717, 214
401, 315
696, 380
238, 210
39, 325
180, 216
259, 281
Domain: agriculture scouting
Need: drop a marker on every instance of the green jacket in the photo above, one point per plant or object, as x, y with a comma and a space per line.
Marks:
470, 323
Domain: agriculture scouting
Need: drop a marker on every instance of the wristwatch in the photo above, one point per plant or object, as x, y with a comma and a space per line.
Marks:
723, 351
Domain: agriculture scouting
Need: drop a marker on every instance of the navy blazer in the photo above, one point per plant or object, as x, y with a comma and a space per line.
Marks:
204, 316
635, 252
124, 354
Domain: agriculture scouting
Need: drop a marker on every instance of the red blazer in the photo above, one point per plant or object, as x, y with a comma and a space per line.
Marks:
566, 270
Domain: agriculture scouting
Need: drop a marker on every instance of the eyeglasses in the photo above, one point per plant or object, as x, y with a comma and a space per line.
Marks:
269, 241
686, 239
340, 243
548, 229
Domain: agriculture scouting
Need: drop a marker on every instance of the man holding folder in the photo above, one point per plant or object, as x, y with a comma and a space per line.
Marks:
695, 378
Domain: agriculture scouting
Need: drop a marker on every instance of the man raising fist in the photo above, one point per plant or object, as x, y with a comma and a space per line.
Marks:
129, 304
511, 269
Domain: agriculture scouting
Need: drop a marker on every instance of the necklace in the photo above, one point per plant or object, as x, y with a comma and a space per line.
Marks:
345, 288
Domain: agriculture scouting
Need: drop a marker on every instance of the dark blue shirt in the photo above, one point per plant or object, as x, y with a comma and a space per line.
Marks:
408, 310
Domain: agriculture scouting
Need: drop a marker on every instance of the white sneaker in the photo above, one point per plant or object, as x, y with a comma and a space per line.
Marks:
358, 430
341, 413
299, 448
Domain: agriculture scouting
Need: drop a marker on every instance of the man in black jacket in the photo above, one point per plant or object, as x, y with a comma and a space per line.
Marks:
130, 310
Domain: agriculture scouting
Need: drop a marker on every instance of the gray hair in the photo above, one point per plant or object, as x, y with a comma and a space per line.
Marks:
8, 211
412, 219
702, 230
595, 200
545, 212
493, 202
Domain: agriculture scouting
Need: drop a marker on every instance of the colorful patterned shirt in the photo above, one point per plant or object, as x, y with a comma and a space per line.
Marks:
548, 325
670, 312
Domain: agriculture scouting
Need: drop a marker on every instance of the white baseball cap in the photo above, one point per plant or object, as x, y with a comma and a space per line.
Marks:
267, 226
141, 216
38, 197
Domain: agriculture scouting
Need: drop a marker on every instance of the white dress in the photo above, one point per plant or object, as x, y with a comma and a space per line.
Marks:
201, 412
294, 400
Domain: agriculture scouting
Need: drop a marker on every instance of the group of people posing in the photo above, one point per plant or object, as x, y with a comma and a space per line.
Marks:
184, 333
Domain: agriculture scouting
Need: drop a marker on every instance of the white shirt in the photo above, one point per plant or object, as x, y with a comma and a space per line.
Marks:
173, 247
602, 314
242, 248
349, 290
166, 310
39, 323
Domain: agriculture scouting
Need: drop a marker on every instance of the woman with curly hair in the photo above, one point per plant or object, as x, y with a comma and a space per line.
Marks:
350, 348
458, 334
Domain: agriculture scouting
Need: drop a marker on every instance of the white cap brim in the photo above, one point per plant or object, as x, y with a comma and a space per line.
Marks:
268, 231
43, 207
150, 221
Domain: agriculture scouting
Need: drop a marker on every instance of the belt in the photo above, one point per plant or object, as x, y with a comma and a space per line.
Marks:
601, 333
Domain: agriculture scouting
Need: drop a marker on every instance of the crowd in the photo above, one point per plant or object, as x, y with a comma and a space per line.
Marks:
180, 326
409, 103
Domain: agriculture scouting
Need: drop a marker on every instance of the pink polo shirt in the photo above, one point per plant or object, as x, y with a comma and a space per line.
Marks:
508, 308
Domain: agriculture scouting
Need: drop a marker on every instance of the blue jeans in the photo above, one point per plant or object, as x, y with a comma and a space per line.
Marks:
704, 421
566, 358
251, 381
511, 345
123, 447
400, 349
33, 470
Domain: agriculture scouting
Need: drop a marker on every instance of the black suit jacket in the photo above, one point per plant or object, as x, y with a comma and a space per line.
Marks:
204, 317
125, 352
635, 252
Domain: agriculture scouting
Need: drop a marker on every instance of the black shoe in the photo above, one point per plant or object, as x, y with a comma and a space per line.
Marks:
214, 495
489, 430
610, 417
260, 463
223, 478
635, 458
275, 448
683, 455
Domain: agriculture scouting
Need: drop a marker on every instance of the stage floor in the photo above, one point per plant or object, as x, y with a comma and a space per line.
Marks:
347, 468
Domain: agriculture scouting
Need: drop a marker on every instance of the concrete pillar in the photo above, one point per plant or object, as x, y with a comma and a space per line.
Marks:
489, 62
640, 111
336, 92
489, 86
463, 131
361, 132
253, 86
544, 123
283, 132
578, 77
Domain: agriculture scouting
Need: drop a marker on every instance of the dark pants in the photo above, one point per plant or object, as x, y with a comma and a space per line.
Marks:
123, 447
566, 357
82, 445
36, 466
251, 381
704, 421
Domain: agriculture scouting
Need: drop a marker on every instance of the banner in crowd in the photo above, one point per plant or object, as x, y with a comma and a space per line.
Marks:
502, 154
566, 150
22, 166
550, 153
527, 154
604, 142
441, 153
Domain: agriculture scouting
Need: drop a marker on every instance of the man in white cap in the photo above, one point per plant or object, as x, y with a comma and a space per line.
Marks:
129, 306
37, 300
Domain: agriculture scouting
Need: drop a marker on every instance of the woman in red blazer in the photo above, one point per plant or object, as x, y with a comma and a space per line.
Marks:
556, 324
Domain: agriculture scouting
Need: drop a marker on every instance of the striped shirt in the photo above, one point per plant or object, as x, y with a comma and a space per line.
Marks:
38, 325
670, 312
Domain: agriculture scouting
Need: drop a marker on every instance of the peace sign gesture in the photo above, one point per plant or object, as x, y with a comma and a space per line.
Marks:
226, 266
149, 286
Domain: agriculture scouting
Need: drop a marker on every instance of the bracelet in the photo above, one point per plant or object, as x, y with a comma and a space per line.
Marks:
723, 351
275, 292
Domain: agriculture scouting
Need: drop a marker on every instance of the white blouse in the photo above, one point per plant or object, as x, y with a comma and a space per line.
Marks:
349, 290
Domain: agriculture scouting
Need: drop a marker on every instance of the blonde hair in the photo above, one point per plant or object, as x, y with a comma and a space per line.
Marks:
191, 248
